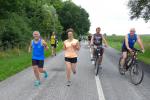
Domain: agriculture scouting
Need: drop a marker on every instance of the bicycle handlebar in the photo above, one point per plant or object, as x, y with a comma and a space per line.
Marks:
137, 50
101, 46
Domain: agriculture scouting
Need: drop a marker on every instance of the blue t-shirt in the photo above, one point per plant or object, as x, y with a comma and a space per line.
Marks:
131, 41
37, 50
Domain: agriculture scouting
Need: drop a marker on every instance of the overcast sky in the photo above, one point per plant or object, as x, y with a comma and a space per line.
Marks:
112, 16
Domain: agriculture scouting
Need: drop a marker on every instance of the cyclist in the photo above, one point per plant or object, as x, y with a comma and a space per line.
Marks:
71, 46
89, 39
37, 47
128, 45
97, 40
53, 42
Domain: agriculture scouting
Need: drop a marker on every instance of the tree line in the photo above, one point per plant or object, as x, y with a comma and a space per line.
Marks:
19, 18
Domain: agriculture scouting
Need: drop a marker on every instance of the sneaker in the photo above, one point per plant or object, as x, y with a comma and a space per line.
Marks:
68, 83
74, 71
45, 74
93, 62
92, 59
37, 83
122, 71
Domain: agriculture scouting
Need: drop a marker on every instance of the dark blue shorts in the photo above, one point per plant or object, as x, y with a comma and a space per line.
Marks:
39, 63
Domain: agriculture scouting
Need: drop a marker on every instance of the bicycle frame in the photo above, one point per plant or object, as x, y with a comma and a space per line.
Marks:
131, 65
133, 59
97, 52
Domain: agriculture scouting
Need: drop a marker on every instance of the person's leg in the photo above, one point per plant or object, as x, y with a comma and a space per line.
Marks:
101, 56
74, 65
124, 56
68, 72
93, 53
37, 75
52, 50
35, 68
88, 43
36, 72
41, 69
55, 50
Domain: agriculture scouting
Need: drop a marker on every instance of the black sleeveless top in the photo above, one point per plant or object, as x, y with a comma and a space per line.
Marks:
97, 39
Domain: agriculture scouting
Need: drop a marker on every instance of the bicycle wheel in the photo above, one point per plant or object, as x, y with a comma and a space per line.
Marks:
136, 74
120, 68
97, 69
97, 65
95, 61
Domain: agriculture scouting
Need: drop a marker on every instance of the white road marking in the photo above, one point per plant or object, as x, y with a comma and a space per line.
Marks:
91, 56
99, 88
90, 50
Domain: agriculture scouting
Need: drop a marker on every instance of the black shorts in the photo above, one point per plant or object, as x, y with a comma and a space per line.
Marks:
124, 50
71, 60
101, 51
39, 63
53, 45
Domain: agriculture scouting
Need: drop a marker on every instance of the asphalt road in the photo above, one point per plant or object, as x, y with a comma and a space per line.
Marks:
114, 86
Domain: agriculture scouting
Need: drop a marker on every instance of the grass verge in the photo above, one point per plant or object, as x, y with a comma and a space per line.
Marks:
12, 63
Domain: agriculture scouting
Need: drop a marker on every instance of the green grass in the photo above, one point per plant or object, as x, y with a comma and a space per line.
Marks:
12, 63
116, 42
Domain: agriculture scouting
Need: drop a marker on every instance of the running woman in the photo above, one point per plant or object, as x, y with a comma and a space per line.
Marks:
37, 47
71, 47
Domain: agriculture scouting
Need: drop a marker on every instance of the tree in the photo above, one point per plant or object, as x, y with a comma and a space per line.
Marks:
19, 18
139, 9
73, 16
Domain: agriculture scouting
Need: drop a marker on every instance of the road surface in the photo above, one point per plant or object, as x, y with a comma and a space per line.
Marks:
109, 85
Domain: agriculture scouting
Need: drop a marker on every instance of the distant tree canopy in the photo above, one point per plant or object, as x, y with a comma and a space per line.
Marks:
73, 16
139, 9
19, 18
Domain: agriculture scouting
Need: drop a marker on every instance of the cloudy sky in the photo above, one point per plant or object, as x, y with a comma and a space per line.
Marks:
112, 16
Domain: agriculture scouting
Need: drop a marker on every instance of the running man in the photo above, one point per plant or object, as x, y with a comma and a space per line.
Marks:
128, 45
37, 47
53, 42
71, 46
97, 40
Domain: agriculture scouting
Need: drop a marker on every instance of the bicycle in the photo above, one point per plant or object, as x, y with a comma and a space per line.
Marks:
97, 59
131, 65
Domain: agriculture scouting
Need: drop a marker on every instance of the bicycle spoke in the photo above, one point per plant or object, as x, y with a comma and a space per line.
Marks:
136, 74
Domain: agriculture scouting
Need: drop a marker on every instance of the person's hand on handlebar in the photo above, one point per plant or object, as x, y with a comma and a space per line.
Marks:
131, 51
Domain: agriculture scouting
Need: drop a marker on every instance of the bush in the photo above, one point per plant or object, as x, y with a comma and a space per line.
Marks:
13, 31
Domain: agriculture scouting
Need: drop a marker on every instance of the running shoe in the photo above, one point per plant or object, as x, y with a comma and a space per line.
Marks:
68, 83
45, 74
37, 83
